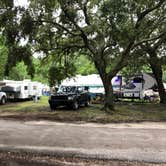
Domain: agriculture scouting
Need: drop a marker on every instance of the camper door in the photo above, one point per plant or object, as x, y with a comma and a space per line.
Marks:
24, 91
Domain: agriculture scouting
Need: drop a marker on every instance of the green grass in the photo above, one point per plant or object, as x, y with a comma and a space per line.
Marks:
125, 112
25, 106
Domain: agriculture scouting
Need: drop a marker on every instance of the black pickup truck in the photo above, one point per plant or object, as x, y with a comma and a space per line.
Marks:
70, 96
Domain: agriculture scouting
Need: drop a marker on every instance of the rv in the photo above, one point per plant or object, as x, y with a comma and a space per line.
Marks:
25, 89
139, 85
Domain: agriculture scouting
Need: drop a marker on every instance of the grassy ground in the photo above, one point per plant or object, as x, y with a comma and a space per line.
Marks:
125, 112
28, 110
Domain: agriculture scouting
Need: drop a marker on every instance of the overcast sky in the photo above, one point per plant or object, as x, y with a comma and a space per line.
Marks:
20, 2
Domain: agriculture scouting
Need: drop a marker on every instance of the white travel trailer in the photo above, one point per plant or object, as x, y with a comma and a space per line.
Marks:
94, 82
35, 89
25, 89
138, 85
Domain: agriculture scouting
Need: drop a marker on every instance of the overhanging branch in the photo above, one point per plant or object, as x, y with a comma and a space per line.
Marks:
59, 26
149, 39
146, 12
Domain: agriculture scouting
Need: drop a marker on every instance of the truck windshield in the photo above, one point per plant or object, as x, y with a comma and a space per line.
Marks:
67, 89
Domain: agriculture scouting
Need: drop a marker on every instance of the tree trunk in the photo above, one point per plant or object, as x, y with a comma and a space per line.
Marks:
109, 97
106, 79
157, 71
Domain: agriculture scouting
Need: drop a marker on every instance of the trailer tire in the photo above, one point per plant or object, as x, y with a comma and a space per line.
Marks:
3, 100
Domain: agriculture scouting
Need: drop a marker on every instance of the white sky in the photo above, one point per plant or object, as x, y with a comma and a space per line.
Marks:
21, 2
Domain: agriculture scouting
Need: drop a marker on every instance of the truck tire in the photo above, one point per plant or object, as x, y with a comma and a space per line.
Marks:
75, 105
3, 100
52, 107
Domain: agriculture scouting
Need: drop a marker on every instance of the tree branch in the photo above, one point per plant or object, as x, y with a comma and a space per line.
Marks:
123, 60
145, 12
82, 33
85, 14
73, 46
59, 26
149, 39
160, 42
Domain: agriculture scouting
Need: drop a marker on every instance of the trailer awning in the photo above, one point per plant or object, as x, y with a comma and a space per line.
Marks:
10, 89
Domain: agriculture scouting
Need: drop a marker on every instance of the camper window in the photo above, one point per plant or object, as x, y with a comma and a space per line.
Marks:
130, 86
138, 80
34, 87
25, 87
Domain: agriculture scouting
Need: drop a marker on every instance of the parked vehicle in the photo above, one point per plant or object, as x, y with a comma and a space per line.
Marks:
3, 98
95, 84
25, 89
138, 85
70, 96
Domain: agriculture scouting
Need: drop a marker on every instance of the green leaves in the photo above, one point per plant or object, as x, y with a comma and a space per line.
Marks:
106, 31
57, 73
3, 55
7, 3
17, 54
84, 66
27, 24
19, 72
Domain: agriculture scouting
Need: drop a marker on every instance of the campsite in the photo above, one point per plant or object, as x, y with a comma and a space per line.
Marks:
83, 82
38, 114
126, 112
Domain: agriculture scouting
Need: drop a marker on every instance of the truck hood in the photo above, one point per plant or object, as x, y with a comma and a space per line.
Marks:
63, 94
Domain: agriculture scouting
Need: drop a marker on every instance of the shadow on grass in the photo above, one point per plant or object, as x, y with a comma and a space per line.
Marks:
125, 112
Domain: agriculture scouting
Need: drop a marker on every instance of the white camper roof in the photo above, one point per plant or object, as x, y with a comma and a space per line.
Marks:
16, 82
89, 80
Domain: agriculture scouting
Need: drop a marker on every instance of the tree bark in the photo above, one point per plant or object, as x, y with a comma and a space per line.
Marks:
106, 79
109, 97
156, 67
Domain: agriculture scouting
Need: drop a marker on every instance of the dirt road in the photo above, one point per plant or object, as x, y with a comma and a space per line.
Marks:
133, 142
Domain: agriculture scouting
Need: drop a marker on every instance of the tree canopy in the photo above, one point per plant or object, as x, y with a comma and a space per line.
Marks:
3, 55
107, 31
10, 28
